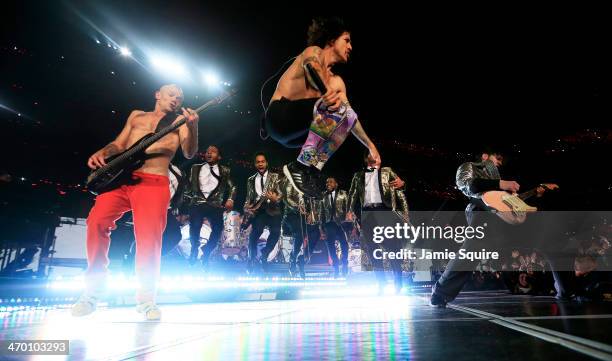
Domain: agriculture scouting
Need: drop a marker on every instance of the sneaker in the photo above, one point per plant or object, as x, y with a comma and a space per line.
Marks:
150, 310
84, 306
437, 301
306, 180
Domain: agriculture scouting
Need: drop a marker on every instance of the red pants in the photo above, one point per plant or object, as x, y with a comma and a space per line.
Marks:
148, 200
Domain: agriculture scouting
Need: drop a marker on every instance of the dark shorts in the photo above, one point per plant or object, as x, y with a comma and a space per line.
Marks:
287, 121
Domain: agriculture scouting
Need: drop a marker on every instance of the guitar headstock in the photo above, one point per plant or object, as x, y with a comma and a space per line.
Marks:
225, 95
549, 186
217, 100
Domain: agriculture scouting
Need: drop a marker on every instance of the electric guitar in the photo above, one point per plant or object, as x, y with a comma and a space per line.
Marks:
512, 207
273, 209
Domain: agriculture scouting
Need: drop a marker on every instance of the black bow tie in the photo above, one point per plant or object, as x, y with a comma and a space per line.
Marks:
369, 170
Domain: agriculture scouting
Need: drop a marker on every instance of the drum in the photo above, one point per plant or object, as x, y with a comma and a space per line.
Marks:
234, 243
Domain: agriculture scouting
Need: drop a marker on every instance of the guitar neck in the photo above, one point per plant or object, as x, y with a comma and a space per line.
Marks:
530, 193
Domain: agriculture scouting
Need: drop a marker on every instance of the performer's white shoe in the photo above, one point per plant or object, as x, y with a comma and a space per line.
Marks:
150, 310
84, 306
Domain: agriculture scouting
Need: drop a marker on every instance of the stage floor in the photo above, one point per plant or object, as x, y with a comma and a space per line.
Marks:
478, 326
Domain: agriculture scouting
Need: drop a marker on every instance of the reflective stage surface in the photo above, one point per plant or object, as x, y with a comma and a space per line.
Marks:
478, 326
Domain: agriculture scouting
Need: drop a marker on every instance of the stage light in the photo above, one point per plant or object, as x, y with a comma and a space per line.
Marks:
125, 51
97, 41
2, 106
169, 66
211, 79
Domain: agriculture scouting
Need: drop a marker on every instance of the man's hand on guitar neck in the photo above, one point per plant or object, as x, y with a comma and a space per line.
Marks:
509, 186
190, 115
545, 187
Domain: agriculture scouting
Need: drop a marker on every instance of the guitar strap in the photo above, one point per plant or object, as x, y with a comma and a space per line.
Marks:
166, 121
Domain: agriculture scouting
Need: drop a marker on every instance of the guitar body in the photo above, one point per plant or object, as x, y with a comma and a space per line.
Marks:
118, 170
494, 199
510, 207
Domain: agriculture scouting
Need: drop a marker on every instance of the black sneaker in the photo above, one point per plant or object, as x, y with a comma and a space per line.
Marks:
437, 301
307, 180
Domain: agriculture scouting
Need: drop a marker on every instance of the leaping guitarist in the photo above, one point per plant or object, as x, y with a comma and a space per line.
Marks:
147, 197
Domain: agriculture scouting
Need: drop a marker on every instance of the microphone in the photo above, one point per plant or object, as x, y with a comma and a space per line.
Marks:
315, 78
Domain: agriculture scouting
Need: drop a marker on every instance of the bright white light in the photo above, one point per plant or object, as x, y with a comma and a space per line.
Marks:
169, 284
169, 66
211, 79
97, 41
125, 51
